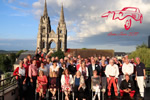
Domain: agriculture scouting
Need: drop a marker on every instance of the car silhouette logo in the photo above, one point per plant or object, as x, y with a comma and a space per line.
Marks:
126, 13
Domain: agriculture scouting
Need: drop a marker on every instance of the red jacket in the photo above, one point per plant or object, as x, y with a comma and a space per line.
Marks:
16, 72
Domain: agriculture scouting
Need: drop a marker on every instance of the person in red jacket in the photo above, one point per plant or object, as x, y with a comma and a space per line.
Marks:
20, 73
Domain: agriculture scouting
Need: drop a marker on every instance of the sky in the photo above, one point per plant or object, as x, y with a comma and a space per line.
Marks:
19, 20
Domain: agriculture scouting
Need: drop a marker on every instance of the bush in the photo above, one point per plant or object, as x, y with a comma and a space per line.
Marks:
58, 54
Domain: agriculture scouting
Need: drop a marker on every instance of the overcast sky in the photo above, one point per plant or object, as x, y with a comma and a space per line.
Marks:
86, 29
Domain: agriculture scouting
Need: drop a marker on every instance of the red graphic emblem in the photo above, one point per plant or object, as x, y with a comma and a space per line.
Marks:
127, 13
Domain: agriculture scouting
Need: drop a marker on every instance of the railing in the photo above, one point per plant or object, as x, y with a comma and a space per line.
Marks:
5, 84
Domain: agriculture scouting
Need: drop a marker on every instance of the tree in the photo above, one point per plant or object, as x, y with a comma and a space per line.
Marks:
12, 57
142, 46
2, 65
58, 54
19, 52
143, 53
7, 61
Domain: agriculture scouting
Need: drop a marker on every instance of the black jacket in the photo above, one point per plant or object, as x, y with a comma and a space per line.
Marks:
124, 85
72, 69
90, 69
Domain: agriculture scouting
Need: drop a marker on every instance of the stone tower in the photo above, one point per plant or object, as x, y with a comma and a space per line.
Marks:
46, 36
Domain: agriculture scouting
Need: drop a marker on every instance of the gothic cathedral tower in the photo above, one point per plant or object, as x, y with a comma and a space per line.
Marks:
46, 36
62, 31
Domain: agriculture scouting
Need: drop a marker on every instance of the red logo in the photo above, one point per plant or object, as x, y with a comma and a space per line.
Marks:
126, 13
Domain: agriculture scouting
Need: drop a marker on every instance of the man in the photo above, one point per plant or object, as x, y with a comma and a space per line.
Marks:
127, 86
33, 72
127, 68
72, 68
93, 66
61, 61
140, 76
112, 72
104, 59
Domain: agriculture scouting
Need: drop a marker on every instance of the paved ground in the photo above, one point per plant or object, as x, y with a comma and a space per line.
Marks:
126, 97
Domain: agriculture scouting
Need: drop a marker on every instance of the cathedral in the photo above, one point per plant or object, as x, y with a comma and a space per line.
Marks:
46, 36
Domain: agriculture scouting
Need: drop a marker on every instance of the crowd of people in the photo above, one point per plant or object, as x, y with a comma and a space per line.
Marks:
81, 76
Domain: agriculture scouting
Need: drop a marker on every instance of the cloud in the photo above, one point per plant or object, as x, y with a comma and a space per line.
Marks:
11, 1
84, 20
85, 26
24, 4
23, 14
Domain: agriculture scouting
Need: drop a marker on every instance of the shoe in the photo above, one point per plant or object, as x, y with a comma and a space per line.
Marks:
132, 98
141, 98
54, 97
117, 97
121, 97
109, 96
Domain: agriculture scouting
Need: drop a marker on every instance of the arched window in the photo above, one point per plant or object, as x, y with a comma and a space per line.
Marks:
43, 44
52, 44
60, 43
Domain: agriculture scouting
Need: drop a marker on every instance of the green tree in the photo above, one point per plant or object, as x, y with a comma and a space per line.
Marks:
5, 63
19, 52
58, 54
84, 48
142, 46
143, 53
12, 57
2, 65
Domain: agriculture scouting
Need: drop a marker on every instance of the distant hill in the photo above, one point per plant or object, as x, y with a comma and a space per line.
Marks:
5, 52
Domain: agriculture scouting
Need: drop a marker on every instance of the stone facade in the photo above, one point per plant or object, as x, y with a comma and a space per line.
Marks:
46, 36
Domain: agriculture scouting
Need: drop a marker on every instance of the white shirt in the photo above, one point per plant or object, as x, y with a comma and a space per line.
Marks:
112, 70
127, 68
44, 70
63, 81
93, 67
48, 66
54, 69
22, 71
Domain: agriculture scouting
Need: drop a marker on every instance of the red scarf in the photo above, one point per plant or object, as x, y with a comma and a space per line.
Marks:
67, 79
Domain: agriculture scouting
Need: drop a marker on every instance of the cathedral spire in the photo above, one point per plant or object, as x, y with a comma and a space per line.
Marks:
62, 15
45, 9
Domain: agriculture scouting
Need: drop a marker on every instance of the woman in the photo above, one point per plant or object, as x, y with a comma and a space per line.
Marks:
84, 70
54, 68
61, 69
96, 81
104, 79
79, 86
79, 64
29, 59
44, 69
41, 84
66, 83
21, 75
53, 84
